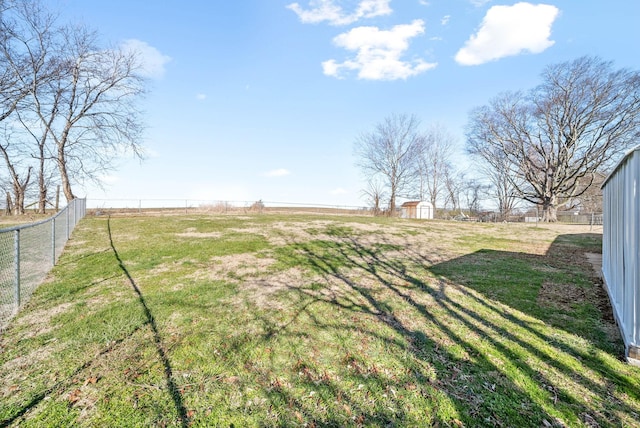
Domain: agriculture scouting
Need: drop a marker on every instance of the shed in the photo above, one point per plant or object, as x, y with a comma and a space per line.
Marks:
621, 249
417, 209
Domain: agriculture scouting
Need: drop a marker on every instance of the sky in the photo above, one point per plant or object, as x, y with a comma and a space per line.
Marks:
263, 99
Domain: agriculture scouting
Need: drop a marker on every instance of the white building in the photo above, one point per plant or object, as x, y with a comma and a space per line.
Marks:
417, 209
621, 249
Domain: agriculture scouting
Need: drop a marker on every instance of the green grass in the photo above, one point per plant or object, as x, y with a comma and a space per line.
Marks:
268, 320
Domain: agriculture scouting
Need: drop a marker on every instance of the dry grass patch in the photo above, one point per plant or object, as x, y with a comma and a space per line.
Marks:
237, 266
38, 322
192, 232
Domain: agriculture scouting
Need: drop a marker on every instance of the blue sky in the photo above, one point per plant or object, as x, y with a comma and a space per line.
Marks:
263, 99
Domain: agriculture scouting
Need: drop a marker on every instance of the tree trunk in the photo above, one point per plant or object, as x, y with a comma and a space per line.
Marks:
18, 202
42, 188
549, 210
9, 204
392, 203
376, 207
64, 175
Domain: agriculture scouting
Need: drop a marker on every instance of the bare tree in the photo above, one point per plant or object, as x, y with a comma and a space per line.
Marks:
375, 193
18, 169
494, 167
392, 152
75, 99
435, 163
30, 54
454, 183
91, 109
475, 191
555, 137
12, 91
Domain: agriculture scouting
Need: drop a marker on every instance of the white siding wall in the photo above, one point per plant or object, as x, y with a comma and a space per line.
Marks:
425, 211
621, 248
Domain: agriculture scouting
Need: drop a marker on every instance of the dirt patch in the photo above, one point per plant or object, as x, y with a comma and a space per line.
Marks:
563, 296
262, 291
234, 266
601, 298
560, 296
595, 259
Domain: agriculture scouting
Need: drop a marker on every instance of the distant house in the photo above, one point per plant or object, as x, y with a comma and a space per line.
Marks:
417, 209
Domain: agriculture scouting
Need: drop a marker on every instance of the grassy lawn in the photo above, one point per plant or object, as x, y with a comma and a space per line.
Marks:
268, 320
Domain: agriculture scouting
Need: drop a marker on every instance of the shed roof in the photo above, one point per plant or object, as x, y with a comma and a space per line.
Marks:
411, 204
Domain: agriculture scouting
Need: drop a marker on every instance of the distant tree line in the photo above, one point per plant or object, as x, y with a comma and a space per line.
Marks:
549, 146
68, 104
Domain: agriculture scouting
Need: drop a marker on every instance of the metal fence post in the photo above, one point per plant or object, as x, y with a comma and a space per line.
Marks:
67, 216
16, 244
72, 222
53, 241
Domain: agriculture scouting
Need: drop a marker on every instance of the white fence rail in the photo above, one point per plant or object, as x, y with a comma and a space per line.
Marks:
28, 252
621, 249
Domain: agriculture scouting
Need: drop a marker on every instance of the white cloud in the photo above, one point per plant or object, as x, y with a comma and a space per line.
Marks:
330, 11
151, 59
281, 172
201, 97
445, 20
479, 3
379, 53
338, 191
508, 31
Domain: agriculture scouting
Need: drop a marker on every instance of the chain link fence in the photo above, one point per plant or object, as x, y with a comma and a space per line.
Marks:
188, 206
28, 252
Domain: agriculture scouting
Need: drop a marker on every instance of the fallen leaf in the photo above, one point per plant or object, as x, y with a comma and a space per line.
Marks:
74, 396
232, 379
91, 380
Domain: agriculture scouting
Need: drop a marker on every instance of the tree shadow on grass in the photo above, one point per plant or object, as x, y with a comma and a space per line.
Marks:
477, 321
174, 391
558, 289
